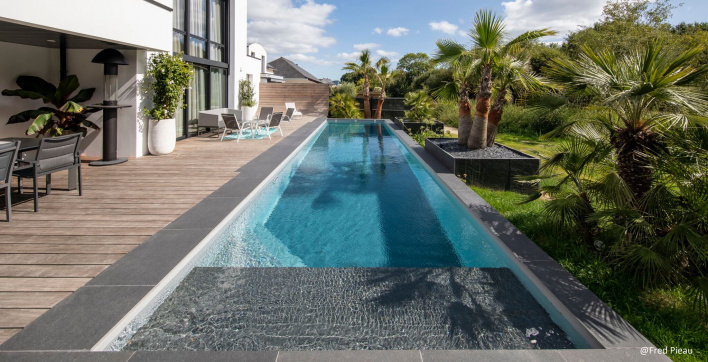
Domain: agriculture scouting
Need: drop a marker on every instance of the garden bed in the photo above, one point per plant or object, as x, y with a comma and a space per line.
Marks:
416, 127
493, 167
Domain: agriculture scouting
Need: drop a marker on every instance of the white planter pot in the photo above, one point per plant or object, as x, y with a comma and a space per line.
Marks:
162, 136
248, 113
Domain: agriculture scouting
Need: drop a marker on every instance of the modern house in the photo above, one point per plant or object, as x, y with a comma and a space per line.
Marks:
51, 39
291, 72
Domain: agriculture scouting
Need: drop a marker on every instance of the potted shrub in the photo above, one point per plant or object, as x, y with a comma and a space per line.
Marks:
67, 116
247, 95
166, 79
420, 114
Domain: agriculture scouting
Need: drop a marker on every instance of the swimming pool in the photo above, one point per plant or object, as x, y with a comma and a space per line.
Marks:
354, 197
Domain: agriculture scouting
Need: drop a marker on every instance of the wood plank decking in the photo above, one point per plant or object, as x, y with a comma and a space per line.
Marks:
45, 256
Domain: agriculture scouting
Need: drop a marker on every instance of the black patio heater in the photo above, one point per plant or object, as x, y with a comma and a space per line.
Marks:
111, 59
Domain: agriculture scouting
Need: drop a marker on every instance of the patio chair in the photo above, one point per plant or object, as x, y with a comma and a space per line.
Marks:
273, 122
288, 117
265, 114
234, 124
8, 155
295, 112
53, 155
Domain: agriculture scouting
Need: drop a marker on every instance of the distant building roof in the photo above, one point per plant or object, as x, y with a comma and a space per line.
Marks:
287, 69
327, 81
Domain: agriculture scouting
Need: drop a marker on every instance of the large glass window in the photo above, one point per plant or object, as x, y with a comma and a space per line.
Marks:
201, 32
218, 88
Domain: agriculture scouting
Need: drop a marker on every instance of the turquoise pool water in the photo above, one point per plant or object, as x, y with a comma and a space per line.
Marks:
355, 197
351, 244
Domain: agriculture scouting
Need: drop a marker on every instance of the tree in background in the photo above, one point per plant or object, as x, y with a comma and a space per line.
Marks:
385, 77
625, 25
412, 65
363, 67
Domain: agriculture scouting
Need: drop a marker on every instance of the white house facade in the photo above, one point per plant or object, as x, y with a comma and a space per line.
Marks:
51, 39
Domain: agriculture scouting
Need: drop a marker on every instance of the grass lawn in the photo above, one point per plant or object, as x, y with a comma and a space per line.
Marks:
664, 316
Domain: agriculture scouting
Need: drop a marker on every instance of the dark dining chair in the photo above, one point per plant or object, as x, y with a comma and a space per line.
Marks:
8, 155
53, 155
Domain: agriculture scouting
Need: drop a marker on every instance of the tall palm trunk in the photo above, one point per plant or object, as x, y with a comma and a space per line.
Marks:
631, 166
495, 116
478, 134
464, 119
367, 106
379, 106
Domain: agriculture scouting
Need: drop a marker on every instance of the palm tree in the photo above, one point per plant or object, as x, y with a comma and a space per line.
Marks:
385, 76
644, 94
464, 74
511, 74
363, 68
487, 35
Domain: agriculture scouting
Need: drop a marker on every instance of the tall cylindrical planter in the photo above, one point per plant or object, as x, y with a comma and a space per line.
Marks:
248, 113
162, 136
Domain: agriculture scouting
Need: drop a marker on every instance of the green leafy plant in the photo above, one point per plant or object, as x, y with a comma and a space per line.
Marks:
342, 105
166, 79
246, 93
67, 114
421, 107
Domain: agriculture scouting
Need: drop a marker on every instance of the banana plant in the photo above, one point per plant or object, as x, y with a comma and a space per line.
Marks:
67, 115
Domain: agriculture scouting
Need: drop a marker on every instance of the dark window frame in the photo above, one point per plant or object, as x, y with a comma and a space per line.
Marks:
206, 61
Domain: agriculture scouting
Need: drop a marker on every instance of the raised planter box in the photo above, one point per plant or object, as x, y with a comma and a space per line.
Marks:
417, 127
492, 168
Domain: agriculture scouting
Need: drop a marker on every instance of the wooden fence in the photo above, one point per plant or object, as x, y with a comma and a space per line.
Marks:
310, 99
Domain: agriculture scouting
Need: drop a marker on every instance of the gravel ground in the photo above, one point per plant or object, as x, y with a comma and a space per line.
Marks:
450, 145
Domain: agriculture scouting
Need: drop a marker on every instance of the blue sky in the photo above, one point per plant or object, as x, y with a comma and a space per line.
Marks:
320, 35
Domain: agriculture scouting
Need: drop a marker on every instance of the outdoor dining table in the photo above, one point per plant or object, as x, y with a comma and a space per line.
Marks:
29, 147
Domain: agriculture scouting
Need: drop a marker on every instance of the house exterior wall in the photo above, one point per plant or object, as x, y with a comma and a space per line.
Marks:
137, 23
142, 25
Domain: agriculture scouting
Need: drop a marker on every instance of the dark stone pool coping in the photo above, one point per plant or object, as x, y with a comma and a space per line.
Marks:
70, 329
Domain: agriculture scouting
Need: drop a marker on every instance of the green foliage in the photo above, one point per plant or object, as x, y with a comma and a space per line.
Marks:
420, 107
343, 88
524, 120
246, 93
432, 79
665, 316
426, 132
446, 112
412, 65
166, 78
626, 25
343, 105
67, 114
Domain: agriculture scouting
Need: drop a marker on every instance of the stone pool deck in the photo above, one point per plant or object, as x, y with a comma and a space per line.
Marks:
74, 325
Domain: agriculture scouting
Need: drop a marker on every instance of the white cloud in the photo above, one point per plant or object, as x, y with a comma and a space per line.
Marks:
378, 30
348, 57
309, 59
560, 15
462, 33
386, 54
399, 31
443, 26
282, 27
366, 46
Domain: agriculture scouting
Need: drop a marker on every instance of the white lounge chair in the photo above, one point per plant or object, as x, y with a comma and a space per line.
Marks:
295, 112
288, 117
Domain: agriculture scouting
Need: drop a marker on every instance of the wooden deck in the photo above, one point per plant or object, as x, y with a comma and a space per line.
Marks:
47, 255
